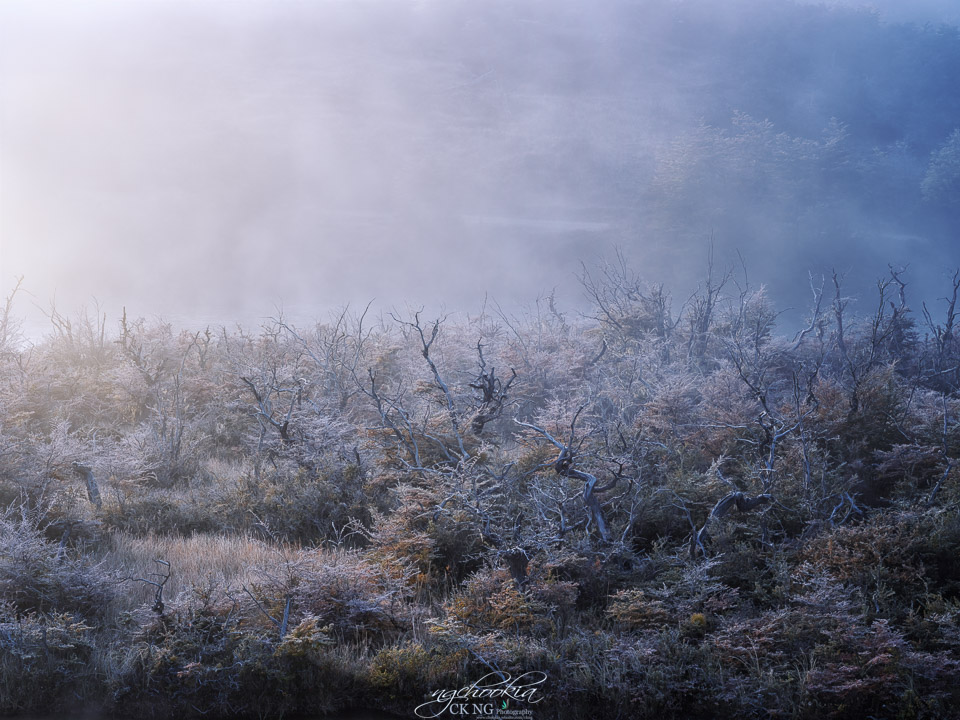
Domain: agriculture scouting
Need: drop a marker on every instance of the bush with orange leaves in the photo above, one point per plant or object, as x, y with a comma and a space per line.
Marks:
890, 558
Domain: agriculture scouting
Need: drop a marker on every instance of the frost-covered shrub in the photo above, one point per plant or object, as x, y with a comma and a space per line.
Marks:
39, 575
45, 661
341, 588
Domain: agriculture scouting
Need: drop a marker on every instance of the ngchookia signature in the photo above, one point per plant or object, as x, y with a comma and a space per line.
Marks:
482, 697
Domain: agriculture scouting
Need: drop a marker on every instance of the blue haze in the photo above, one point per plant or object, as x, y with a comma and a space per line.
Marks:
208, 161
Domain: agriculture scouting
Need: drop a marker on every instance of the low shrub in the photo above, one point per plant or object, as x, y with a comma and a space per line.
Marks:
341, 588
45, 661
195, 662
41, 576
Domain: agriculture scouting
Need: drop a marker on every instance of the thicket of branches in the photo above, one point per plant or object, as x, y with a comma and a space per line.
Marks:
665, 505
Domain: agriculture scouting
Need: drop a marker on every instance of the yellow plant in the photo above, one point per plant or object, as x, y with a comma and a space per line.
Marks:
634, 610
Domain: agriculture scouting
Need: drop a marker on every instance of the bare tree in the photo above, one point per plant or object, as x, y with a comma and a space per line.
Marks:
565, 465
460, 452
949, 461
625, 307
734, 500
93, 490
9, 325
885, 338
337, 351
267, 415
701, 311
941, 366
493, 393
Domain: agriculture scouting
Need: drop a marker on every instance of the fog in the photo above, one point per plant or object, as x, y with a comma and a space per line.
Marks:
900, 11
213, 162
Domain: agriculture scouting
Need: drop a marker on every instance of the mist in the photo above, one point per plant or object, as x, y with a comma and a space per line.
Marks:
215, 162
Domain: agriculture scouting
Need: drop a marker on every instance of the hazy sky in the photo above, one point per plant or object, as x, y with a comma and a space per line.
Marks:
209, 160
213, 158
917, 11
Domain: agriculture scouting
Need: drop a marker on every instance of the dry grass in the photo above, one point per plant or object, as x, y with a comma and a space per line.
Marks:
198, 561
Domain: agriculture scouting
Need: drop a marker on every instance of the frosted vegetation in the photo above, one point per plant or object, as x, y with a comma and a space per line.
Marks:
667, 506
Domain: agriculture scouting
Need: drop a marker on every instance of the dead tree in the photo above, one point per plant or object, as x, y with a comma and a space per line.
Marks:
885, 337
493, 393
93, 491
942, 366
517, 563
9, 326
159, 583
265, 413
701, 310
457, 456
281, 624
816, 314
394, 417
337, 351
565, 466
626, 308
945, 453
131, 344
735, 499
401, 424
